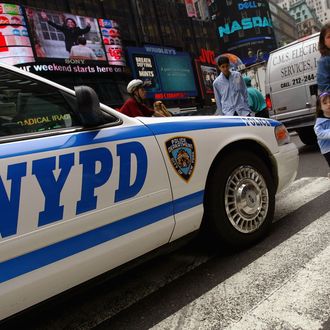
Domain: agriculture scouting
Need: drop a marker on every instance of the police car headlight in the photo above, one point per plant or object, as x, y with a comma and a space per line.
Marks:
282, 135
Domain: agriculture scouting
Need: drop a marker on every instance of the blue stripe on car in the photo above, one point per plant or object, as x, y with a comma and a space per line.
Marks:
43, 144
44, 256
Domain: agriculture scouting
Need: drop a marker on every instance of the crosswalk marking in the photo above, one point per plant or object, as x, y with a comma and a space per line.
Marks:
303, 302
265, 283
299, 193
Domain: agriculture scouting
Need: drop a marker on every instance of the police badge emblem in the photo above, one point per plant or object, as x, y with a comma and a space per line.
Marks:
181, 151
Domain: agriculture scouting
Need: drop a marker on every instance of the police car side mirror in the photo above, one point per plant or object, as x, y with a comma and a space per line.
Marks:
88, 107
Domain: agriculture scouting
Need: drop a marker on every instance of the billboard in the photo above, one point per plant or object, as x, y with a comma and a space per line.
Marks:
207, 72
40, 41
190, 7
58, 35
169, 73
112, 42
15, 46
145, 69
245, 29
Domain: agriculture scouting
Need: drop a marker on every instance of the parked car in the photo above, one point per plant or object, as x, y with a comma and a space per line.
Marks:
85, 189
291, 88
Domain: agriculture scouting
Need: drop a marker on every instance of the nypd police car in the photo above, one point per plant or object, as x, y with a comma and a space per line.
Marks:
85, 189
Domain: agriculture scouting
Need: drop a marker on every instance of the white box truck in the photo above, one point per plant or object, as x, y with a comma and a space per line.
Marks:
291, 88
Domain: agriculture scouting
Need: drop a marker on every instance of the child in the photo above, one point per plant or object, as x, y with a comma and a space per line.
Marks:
323, 67
322, 125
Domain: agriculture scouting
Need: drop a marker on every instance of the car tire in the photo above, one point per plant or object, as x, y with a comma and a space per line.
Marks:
307, 135
239, 200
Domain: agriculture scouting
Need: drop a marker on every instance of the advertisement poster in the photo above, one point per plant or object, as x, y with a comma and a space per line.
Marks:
175, 73
62, 35
190, 7
112, 42
15, 46
246, 30
209, 73
146, 70
168, 73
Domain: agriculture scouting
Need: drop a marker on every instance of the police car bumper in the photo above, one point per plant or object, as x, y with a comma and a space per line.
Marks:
287, 160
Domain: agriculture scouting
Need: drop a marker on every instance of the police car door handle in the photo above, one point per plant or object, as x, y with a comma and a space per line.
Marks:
308, 105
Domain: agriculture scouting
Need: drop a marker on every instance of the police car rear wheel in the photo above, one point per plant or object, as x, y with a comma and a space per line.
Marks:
240, 199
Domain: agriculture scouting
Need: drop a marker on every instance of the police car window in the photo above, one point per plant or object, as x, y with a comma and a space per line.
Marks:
28, 106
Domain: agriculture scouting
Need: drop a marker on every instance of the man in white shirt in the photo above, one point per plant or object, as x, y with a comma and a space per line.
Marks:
230, 91
81, 51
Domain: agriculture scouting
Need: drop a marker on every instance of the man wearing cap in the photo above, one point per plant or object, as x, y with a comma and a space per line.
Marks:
134, 107
230, 91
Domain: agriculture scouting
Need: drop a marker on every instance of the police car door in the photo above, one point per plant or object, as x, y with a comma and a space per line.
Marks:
74, 202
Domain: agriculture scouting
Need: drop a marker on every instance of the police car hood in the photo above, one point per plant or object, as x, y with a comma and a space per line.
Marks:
161, 125
174, 119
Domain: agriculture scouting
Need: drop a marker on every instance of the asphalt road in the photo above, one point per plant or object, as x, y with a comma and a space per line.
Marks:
281, 283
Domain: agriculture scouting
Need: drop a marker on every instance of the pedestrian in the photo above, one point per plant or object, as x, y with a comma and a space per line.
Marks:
70, 30
230, 92
159, 106
322, 125
323, 67
134, 106
256, 100
81, 51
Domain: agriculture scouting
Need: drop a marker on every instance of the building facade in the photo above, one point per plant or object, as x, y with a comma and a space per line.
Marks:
306, 18
152, 27
158, 23
321, 7
283, 23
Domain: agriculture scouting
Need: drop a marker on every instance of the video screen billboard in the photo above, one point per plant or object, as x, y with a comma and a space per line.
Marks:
15, 46
62, 35
245, 29
169, 73
176, 72
112, 41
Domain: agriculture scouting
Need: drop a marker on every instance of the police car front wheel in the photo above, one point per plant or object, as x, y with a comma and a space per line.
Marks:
240, 199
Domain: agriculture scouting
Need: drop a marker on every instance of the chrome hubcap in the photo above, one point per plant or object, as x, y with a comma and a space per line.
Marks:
246, 199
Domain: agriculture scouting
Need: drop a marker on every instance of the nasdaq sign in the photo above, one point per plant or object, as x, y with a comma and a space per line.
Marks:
247, 29
244, 24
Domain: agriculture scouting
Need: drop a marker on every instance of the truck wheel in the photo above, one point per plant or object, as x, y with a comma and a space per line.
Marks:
307, 135
240, 200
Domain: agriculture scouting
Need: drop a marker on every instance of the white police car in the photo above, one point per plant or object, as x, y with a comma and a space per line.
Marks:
84, 189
